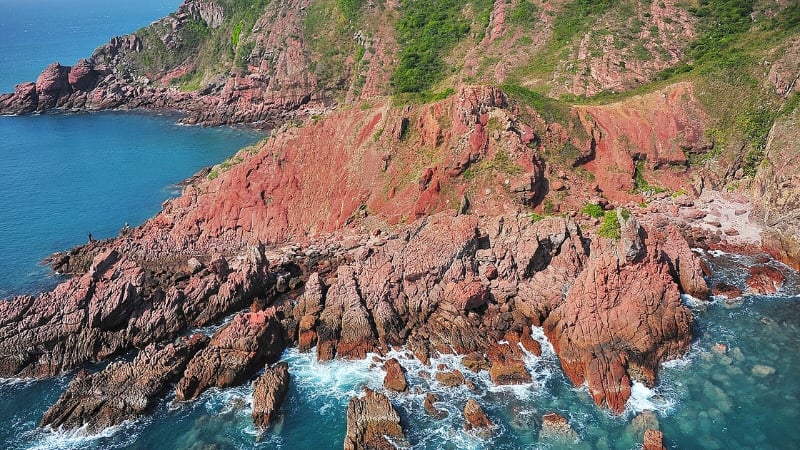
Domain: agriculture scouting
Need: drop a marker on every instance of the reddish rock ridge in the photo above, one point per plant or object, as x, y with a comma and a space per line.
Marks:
119, 305
234, 354
621, 319
123, 390
372, 423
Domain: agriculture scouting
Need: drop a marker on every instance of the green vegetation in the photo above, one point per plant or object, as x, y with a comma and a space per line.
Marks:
523, 14
610, 227
328, 28
593, 210
551, 110
576, 18
640, 185
503, 163
535, 217
427, 31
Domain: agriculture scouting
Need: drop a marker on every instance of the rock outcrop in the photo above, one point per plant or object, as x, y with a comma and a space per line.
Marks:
764, 279
395, 378
475, 418
653, 440
234, 354
269, 391
617, 325
117, 305
372, 423
123, 390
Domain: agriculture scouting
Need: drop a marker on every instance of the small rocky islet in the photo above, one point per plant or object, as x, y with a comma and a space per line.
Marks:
336, 236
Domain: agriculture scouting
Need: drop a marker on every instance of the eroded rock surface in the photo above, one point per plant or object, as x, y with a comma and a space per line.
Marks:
123, 390
269, 391
234, 354
372, 423
621, 319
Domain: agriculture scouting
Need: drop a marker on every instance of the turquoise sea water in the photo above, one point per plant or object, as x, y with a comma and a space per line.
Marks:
62, 176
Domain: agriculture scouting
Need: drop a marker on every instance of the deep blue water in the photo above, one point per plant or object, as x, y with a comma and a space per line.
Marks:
62, 176
34, 33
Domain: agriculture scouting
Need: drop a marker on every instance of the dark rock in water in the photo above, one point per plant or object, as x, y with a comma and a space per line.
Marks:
123, 390
653, 440
373, 423
765, 279
234, 354
475, 418
727, 290
269, 391
395, 378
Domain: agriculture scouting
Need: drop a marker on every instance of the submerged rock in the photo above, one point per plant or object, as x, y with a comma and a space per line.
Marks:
373, 423
555, 427
653, 440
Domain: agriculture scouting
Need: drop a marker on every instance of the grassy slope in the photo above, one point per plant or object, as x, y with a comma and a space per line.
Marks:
537, 50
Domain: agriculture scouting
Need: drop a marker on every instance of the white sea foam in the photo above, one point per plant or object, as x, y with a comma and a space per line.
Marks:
643, 398
48, 438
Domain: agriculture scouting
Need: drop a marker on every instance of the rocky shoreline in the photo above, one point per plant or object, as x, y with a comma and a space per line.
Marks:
450, 282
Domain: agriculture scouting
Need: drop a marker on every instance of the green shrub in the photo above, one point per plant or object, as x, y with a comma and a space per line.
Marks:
523, 14
426, 31
593, 210
610, 227
535, 217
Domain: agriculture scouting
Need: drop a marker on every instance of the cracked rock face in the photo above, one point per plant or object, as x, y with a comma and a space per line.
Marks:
123, 390
269, 391
234, 354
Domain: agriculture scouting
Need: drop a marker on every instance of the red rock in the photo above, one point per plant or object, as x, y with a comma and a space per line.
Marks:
235, 352
395, 378
621, 319
474, 417
451, 378
765, 279
507, 366
727, 290
429, 407
653, 440
467, 294
372, 423
269, 391
475, 362
81, 75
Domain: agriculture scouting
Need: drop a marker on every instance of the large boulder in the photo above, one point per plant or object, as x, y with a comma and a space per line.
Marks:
372, 423
622, 318
234, 354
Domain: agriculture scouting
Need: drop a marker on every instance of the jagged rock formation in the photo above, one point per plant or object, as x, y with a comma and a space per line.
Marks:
269, 390
372, 423
123, 390
616, 324
474, 417
395, 378
235, 352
